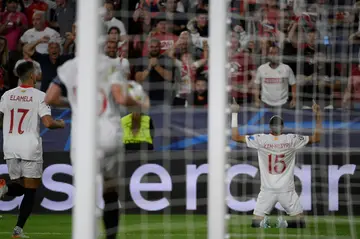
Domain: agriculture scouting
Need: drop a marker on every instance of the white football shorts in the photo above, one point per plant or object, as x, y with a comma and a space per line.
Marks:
24, 168
288, 200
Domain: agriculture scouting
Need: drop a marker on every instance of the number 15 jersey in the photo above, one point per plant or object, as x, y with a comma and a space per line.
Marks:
276, 155
22, 108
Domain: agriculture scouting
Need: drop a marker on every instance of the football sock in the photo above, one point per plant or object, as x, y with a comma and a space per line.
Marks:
111, 214
26, 206
256, 223
300, 223
15, 189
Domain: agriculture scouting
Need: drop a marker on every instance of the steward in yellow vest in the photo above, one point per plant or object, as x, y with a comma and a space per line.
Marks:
138, 132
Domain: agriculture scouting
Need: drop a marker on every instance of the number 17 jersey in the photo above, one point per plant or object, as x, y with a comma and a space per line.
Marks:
22, 108
276, 155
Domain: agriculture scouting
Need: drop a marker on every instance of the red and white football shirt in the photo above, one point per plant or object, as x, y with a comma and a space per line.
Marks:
23, 107
276, 155
274, 83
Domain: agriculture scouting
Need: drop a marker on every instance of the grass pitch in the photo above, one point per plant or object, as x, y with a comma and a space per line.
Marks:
186, 226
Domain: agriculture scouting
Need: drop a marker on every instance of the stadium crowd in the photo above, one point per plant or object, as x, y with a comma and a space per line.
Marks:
282, 53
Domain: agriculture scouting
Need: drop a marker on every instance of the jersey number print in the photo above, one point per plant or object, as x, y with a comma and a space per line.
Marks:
23, 113
276, 164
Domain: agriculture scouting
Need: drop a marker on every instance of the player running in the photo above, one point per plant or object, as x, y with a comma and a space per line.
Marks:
276, 155
113, 101
20, 111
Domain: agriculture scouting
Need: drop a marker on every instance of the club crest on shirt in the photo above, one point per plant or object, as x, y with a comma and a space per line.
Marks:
251, 137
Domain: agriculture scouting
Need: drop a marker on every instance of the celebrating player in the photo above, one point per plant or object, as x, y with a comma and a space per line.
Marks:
276, 155
20, 111
111, 87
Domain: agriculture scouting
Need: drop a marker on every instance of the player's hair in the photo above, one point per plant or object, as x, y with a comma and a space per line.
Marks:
276, 124
23, 70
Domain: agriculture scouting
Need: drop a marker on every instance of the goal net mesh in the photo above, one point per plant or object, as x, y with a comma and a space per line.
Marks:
165, 45
318, 41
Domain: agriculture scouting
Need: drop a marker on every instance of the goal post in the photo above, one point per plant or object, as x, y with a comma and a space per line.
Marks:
217, 127
84, 222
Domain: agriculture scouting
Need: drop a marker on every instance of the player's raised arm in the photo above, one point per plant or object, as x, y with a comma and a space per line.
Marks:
53, 94
234, 124
315, 138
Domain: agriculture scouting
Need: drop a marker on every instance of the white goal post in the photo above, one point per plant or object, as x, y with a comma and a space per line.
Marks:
84, 222
217, 128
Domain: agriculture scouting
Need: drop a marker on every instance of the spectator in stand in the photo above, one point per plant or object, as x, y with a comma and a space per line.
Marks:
176, 21
39, 31
242, 72
114, 34
196, 5
260, 50
167, 39
35, 6
242, 35
188, 66
111, 21
141, 20
199, 28
4, 65
65, 16
69, 45
156, 72
38, 73
49, 62
274, 78
352, 93
318, 81
158, 5
111, 50
13, 24
200, 94
269, 14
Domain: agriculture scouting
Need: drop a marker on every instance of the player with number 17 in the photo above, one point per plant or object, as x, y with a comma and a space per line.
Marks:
276, 155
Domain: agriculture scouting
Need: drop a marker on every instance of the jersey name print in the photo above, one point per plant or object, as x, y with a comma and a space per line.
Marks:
22, 98
276, 155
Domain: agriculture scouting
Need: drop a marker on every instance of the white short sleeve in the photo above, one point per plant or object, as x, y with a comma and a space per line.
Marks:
125, 65
252, 141
2, 104
292, 80
122, 29
44, 109
117, 78
67, 73
24, 38
299, 141
258, 77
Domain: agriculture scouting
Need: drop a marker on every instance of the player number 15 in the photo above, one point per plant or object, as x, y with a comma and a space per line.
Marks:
276, 164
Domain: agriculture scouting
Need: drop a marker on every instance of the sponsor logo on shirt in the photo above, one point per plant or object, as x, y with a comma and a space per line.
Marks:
251, 138
167, 44
274, 80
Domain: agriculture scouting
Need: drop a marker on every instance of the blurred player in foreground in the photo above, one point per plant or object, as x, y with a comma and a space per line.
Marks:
113, 98
276, 155
20, 111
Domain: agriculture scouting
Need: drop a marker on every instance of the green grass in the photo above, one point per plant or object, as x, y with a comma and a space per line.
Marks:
185, 226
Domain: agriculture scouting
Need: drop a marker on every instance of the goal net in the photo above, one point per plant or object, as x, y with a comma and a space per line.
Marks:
182, 176
167, 190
